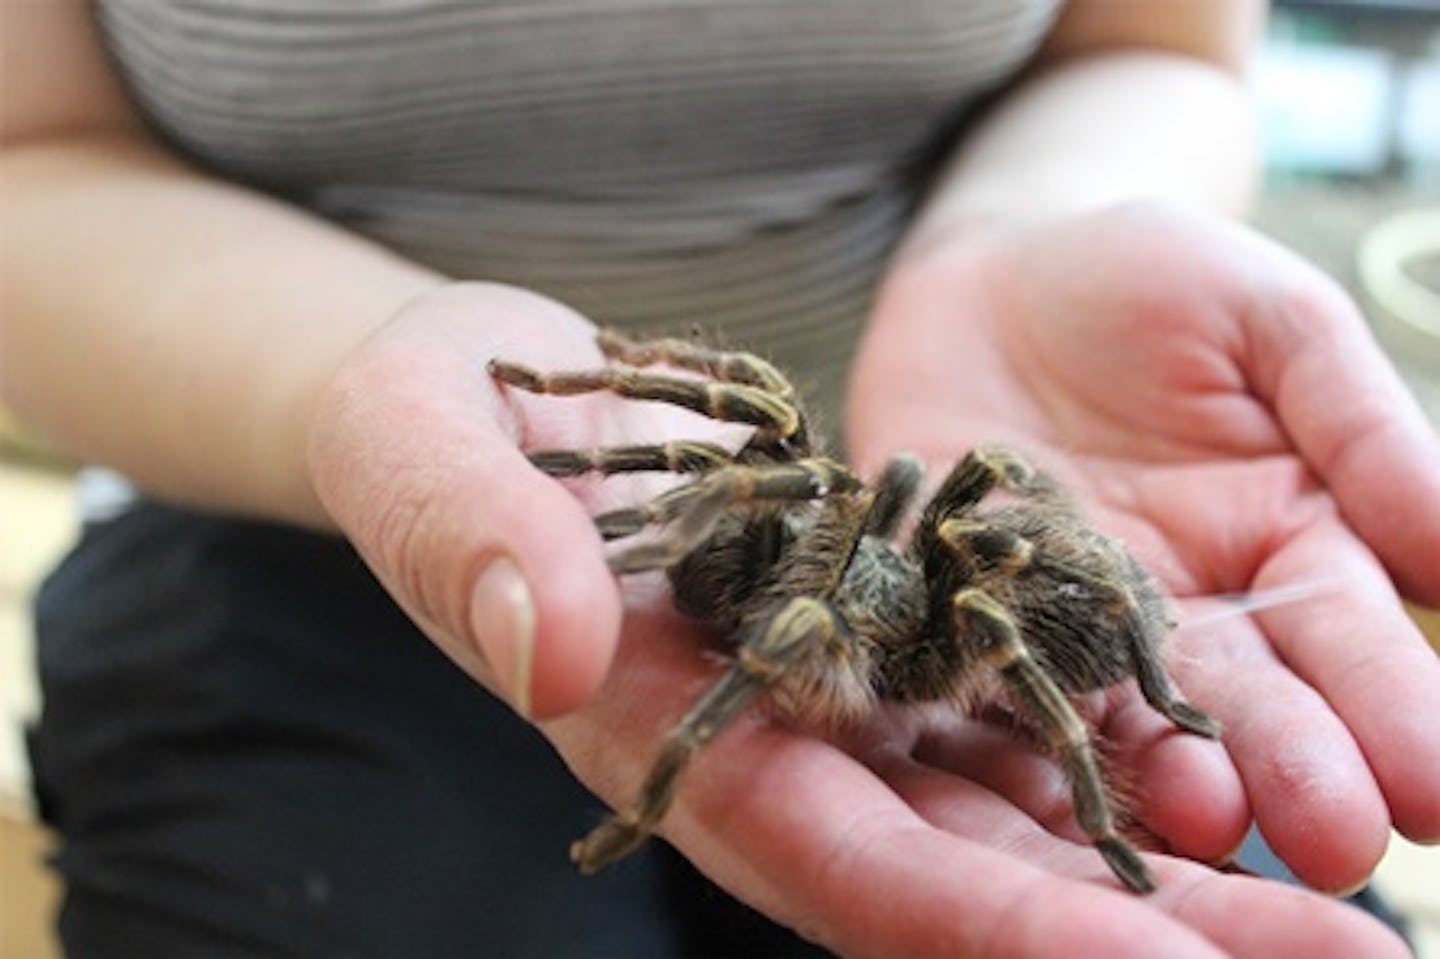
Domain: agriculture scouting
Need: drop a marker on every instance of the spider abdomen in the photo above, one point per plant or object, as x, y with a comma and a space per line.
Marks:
831, 688
1084, 605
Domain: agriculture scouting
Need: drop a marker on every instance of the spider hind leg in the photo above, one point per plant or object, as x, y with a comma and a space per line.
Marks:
1041, 701
1140, 634
802, 627
1160, 692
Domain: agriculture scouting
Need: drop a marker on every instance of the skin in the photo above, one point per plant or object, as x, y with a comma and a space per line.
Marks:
1215, 401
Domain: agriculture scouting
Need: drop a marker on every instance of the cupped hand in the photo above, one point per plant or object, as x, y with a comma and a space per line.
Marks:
1220, 406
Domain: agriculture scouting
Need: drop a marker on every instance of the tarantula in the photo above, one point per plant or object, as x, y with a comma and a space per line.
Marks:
790, 556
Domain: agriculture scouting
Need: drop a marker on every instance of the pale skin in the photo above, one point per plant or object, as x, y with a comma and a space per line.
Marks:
1215, 400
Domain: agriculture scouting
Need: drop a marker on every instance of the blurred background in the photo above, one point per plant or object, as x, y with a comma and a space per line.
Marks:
1349, 99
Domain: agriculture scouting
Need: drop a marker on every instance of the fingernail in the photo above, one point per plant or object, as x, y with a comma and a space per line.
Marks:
502, 616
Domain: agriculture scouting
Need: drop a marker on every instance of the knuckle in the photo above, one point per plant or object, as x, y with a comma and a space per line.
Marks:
407, 541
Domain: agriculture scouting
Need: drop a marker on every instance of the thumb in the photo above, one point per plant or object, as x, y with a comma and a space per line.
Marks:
498, 564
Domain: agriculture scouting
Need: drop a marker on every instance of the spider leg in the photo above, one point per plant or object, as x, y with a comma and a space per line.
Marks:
802, 626
895, 490
1039, 698
773, 416
681, 456
698, 506
981, 471
723, 365
1155, 684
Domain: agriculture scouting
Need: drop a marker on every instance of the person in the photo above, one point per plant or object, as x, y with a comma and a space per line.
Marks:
256, 260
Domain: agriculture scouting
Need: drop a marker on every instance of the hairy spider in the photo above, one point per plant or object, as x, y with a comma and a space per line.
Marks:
790, 556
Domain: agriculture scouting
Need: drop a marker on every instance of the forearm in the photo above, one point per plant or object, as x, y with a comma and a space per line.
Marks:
174, 327
1100, 129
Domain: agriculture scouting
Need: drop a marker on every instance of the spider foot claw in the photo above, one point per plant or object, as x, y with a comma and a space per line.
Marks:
1192, 720
606, 844
515, 374
1125, 862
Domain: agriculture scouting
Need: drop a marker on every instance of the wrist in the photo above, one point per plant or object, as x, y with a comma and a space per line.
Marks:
941, 226
326, 381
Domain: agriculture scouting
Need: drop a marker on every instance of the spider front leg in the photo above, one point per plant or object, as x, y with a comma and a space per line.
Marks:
680, 456
696, 508
802, 627
724, 365
981, 471
773, 416
1040, 699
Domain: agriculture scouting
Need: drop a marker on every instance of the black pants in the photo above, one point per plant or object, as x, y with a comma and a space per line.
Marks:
248, 750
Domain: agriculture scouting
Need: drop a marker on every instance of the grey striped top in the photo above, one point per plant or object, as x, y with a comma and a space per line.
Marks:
736, 165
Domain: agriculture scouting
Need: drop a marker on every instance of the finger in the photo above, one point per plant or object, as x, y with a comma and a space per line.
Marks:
497, 562
811, 837
1004, 763
1309, 782
806, 834
1241, 915
1360, 650
1312, 356
1309, 785
1183, 788
1247, 916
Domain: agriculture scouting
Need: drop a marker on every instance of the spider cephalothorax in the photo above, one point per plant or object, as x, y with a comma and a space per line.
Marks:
792, 557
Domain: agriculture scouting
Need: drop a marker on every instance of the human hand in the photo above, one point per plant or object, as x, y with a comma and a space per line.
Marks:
1220, 407
417, 456
415, 453
790, 823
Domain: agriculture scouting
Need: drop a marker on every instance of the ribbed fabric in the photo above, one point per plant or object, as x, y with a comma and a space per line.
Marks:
658, 164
